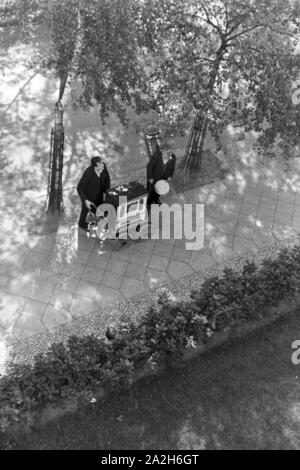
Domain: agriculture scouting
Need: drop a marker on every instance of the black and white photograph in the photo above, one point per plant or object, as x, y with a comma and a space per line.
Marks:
150, 228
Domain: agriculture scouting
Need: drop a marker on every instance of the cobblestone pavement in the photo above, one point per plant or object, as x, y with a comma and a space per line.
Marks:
50, 281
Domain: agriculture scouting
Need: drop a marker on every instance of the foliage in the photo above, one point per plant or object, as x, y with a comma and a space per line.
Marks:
91, 45
241, 296
232, 61
18, 21
85, 364
109, 68
229, 61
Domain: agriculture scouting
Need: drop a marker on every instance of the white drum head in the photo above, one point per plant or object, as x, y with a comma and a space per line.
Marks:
162, 187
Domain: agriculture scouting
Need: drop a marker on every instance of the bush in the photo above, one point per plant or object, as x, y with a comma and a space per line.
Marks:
83, 365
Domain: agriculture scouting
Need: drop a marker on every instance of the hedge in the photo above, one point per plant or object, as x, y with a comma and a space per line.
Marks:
85, 364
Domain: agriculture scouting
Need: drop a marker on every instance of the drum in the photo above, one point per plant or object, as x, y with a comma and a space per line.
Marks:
162, 187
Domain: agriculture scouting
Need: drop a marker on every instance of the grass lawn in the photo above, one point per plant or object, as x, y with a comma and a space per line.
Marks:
244, 395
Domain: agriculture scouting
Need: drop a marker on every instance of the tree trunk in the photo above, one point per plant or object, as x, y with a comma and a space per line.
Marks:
55, 186
193, 154
55, 197
55, 189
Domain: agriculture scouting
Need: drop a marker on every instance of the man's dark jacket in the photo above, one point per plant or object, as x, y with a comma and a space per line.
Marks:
91, 188
158, 170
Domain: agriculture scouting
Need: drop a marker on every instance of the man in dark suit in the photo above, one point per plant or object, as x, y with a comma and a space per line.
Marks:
92, 187
161, 166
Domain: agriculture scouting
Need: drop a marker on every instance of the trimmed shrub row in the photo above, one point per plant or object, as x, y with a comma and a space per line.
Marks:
85, 364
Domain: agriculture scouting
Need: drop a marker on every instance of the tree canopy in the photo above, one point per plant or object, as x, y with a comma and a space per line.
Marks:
233, 61
92, 46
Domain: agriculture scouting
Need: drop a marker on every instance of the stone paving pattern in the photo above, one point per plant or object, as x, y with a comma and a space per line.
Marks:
131, 310
55, 281
51, 280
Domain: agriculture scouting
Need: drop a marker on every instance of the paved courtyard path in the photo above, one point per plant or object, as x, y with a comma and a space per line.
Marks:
50, 280
54, 279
